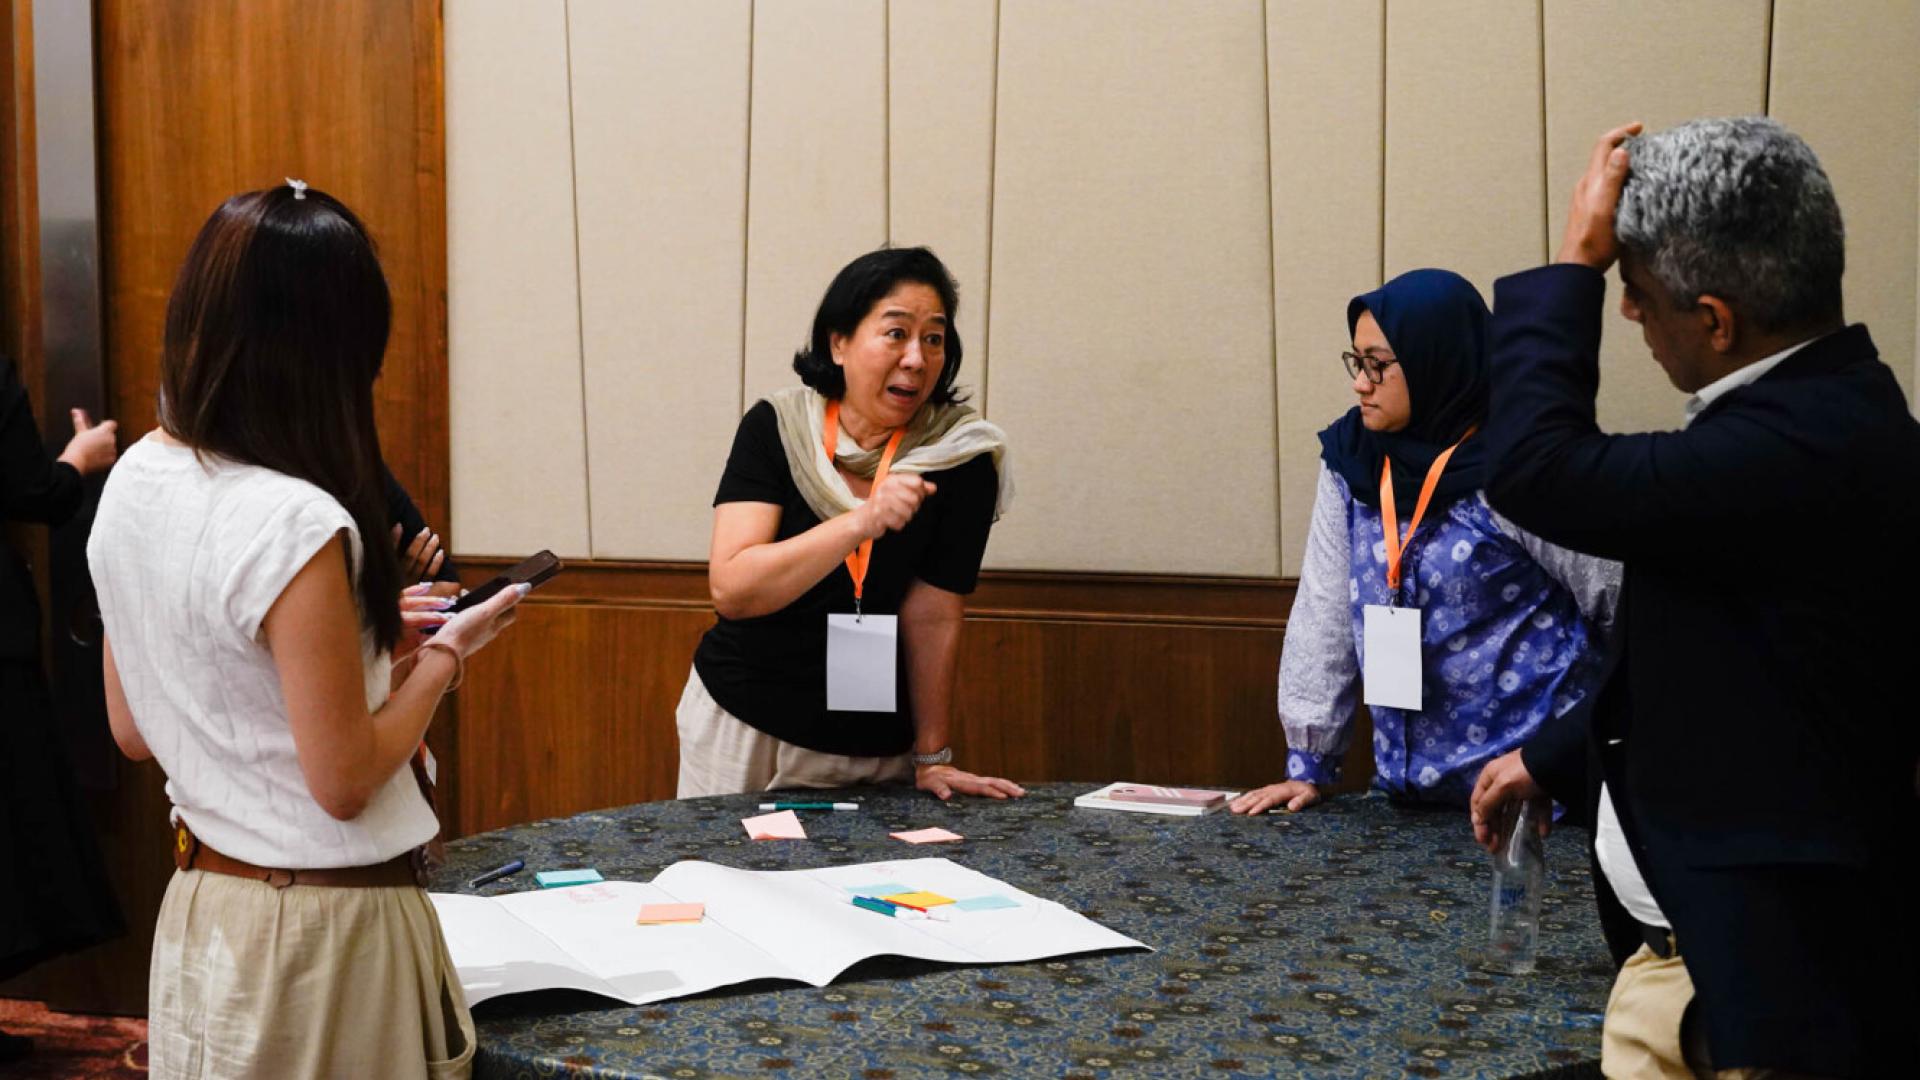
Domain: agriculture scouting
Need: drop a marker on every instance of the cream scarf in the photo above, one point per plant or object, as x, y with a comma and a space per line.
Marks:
938, 437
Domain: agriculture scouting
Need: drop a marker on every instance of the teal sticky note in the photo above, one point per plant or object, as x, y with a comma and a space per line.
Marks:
560, 879
986, 903
885, 888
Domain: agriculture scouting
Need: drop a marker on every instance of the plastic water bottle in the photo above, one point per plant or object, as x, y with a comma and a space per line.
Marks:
1519, 879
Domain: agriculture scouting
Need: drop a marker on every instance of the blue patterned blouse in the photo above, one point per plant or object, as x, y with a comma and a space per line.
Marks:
1511, 632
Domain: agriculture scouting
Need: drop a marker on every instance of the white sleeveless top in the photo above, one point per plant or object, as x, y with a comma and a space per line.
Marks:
187, 558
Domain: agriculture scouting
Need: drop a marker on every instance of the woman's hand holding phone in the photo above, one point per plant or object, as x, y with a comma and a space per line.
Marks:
469, 631
421, 613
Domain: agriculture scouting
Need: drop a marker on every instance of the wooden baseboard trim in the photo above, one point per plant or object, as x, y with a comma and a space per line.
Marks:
1023, 595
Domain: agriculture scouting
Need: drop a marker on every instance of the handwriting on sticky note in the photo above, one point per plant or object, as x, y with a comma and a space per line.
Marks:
994, 902
784, 825
591, 894
926, 836
560, 879
658, 914
878, 889
921, 899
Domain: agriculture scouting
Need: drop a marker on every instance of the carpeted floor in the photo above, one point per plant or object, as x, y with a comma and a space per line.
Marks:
71, 1045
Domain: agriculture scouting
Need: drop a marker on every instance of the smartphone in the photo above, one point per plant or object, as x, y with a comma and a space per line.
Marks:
534, 571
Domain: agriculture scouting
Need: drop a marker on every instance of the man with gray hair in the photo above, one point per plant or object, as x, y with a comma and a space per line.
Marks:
1749, 765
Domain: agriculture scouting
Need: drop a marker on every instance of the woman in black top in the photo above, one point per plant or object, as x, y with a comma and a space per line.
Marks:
800, 537
54, 894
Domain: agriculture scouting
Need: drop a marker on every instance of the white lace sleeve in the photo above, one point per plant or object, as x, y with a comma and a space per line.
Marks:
1593, 581
1319, 670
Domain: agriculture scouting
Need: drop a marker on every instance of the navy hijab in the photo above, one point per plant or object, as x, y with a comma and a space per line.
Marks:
1436, 326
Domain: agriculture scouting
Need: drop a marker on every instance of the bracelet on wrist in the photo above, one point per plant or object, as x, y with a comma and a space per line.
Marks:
459, 663
942, 756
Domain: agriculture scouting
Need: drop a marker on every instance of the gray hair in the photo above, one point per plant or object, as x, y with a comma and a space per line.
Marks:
1740, 209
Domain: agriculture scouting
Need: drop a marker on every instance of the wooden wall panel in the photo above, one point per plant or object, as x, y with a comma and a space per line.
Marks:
660, 161
1326, 76
179, 134
147, 226
1132, 314
1090, 677
19, 203
1464, 137
1179, 704
817, 172
941, 60
1845, 79
518, 439
574, 706
20, 332
1641, 60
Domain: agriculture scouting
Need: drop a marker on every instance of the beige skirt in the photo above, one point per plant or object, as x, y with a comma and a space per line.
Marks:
306, 981
722, 755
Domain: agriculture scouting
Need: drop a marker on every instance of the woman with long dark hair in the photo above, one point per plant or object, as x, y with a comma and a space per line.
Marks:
253, 613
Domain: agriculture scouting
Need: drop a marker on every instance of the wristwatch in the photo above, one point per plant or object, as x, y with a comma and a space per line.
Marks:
942, 756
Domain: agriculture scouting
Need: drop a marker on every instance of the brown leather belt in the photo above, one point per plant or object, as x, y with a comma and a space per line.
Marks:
401, 870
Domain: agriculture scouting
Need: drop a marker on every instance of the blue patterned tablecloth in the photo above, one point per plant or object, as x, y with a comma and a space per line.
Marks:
1338, 942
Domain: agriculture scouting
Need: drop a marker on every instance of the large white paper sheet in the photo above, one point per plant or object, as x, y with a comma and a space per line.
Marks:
787, 924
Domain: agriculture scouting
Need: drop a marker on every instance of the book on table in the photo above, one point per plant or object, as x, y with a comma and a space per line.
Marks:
801, 925
1151, 799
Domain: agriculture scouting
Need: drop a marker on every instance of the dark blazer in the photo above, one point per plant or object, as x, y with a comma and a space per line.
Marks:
33, 487
1759, 726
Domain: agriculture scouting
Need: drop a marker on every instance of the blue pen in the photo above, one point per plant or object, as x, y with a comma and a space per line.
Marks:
497, 873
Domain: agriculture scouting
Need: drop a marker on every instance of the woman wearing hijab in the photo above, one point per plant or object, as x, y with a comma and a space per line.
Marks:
862, 497
1509, 626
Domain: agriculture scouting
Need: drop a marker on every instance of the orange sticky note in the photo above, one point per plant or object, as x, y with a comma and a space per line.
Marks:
781, 826
922, 899
655, 914
926, 836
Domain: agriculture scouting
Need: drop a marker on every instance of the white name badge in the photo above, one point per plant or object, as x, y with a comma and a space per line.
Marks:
861, 654
1391, 677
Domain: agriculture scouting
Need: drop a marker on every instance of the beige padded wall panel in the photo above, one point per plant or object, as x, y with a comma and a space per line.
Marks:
1132, 319
940, 58
1463, 137
1641, 60
817, 167
1324, 81
1846, 77
513, 305
660, 149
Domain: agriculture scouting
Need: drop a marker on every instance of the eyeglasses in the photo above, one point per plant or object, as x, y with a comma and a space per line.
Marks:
1375, 366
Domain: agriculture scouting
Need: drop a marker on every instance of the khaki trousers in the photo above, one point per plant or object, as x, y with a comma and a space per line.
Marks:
1647, 1034
303, 982
720, 755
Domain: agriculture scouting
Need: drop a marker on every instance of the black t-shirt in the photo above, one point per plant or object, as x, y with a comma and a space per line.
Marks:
771, 671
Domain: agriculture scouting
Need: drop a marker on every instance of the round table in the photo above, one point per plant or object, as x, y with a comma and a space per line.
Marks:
1341, 941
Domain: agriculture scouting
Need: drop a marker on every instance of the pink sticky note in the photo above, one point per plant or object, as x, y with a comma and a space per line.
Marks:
927, 836
781, 826
651, 914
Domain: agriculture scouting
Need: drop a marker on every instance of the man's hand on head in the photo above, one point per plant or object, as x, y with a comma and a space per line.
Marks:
1589, 239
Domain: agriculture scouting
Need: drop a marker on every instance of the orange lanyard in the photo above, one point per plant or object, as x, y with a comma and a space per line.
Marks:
857, 559
1389, 520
